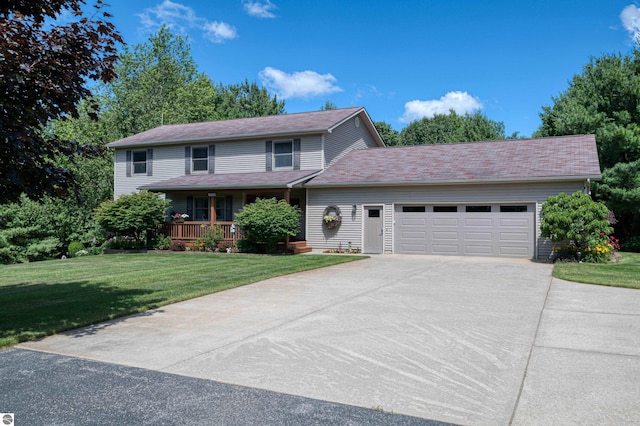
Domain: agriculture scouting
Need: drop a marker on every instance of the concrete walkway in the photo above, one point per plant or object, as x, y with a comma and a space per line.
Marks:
461, 340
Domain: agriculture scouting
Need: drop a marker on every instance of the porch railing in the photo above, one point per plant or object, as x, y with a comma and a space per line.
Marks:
186, 231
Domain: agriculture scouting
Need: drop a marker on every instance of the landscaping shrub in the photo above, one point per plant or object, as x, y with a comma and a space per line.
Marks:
132, 215
161, 242
75, 247
177, 246
581, 222
212, 236
246, 246
268, 221
224, 245
631, 244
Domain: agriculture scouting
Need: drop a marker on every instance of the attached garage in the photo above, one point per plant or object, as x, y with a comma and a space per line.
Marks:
472, 230
466, 199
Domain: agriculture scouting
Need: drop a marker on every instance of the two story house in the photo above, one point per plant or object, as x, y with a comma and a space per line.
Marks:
479, 198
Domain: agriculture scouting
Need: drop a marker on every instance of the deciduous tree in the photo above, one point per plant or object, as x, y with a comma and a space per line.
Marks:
44, 70
452, 128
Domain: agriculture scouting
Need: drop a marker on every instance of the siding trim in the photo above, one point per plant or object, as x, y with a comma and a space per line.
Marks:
268, 155
150, 162
187, 160
212, 158
128, 156
296, 154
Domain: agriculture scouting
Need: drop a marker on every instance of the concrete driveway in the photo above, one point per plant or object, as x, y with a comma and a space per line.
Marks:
461, 340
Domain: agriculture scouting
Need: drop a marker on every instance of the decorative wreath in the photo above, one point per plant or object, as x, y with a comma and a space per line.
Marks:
331, 217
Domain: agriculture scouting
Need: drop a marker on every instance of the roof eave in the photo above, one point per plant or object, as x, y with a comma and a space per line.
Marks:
217, 139
163, 188
456, 182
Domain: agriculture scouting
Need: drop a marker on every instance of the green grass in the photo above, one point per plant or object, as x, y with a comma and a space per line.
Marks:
43, 298
623, 273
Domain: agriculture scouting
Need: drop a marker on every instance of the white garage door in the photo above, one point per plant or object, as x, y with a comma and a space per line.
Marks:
472, 230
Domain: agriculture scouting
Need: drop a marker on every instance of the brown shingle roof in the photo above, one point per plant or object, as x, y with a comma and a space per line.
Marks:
511, 160
274, 125
232, 181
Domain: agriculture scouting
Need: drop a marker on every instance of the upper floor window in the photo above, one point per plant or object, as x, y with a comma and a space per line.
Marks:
283, 154
200, 159
140, 162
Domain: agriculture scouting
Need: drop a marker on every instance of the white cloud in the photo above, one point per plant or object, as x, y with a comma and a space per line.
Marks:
460, 102
302, 84
219, 32
630, 17
260, 9
182, 18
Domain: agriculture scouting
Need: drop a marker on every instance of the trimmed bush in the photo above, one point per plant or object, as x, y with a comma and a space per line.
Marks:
75, 247
268, 221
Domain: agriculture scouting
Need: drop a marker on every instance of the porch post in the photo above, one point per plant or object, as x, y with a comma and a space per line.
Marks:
212, 208
287, 199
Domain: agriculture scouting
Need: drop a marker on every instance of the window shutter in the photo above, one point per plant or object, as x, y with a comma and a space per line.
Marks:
268, 155
187, 160
212, 158
149, 162
296, 154
228, 206
128, 154
190, 207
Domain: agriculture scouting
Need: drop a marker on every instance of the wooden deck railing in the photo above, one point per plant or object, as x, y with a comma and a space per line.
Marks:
187, 231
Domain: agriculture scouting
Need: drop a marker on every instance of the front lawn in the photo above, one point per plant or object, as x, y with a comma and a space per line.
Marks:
42, 298
623, 273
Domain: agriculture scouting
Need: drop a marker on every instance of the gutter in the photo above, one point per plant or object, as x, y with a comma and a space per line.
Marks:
249, 136
452, 182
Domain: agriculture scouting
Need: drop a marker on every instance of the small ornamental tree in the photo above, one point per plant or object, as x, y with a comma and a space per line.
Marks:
576, 218
269, 221
132, 215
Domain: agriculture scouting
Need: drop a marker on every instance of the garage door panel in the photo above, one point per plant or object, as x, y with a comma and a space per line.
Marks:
411, 234
521, 237
477, 236
514, 251
495, 233
414, 221
444, 222
444, 249
472, 221
479, 250
414, 248
513, 222
445, 235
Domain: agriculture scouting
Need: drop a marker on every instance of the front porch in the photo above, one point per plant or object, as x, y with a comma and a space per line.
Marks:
191, 231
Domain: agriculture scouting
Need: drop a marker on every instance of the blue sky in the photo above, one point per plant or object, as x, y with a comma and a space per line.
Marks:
401, 60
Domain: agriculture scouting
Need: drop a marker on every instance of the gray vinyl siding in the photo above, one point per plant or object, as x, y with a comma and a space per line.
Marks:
345, 138
240, 157
168, 162
230, 157
311, 153
351, 228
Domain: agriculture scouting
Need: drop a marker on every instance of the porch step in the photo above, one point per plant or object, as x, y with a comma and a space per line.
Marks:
298, 247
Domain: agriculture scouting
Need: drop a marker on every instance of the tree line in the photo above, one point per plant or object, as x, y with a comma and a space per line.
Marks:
54, 170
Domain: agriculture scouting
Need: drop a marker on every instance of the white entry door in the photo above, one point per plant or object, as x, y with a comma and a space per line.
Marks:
373, 229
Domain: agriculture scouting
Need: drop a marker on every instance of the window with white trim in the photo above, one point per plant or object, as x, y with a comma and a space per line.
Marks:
283, 155
139, 162
199, 158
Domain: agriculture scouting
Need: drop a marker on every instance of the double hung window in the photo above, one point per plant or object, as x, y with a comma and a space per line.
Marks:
200, 159
283, 155
140, 162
